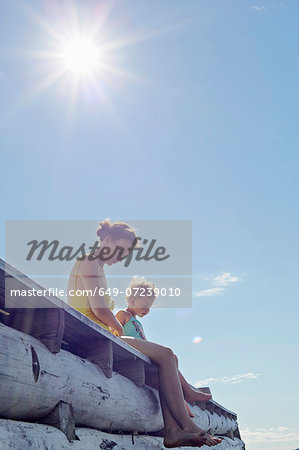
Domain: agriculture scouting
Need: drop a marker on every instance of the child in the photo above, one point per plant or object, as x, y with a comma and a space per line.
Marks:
141, 298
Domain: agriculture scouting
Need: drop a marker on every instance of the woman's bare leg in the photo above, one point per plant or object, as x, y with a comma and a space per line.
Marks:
168, 378
170, 386
173, 435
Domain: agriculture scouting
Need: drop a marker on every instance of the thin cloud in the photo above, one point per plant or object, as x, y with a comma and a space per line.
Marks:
240, 378
259, 435
259, 8
221, 282
208, 292
225, 278
232, 380
206, 382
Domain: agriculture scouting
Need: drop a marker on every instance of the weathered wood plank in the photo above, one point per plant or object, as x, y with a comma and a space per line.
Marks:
33, 381
17, 435
105, 403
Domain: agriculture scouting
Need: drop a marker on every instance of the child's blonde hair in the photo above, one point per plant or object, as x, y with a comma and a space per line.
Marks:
139, 288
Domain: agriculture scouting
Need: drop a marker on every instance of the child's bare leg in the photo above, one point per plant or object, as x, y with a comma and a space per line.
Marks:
170, 386
189, 410
190, 394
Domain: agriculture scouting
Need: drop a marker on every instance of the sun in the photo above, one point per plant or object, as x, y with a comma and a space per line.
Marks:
83, 53
80, 56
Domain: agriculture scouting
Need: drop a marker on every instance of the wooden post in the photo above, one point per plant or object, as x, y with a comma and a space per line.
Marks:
152, 378
132, 369
230, 432
45, 324
217, 410
205, 389
236, 433
62, 417
202, 405
99, 352
210, 407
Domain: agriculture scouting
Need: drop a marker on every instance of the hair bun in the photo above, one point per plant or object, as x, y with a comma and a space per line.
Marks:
116, 231
103, 228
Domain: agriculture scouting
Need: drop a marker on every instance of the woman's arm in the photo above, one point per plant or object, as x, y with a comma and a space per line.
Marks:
91, 280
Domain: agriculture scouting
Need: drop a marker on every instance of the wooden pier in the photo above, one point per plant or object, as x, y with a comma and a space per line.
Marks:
62, 370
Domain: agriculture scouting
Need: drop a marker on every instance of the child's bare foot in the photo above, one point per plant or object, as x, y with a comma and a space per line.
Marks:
188, 410
181, 438
196, 395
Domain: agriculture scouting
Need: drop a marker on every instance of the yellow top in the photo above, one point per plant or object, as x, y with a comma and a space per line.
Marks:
81, 303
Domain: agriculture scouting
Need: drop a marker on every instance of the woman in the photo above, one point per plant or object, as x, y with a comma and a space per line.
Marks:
88, 274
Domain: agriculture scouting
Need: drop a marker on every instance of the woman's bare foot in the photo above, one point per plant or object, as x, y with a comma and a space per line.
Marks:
211, 440
196, 395
180, 438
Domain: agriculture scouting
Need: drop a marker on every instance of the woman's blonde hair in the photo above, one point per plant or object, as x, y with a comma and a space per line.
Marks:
116, 231
139, 288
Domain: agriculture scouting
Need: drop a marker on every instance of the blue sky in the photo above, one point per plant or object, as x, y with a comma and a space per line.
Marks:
197, 119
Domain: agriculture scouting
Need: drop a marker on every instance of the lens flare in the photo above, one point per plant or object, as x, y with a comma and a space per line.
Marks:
197, 340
